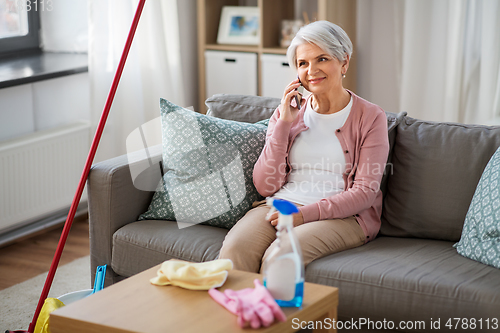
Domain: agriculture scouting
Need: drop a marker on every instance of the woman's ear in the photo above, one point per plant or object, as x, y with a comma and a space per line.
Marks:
345, 65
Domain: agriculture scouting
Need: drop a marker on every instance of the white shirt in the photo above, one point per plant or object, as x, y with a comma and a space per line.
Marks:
316, 158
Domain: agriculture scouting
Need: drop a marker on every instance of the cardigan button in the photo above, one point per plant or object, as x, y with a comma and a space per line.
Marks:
338, 130
347, 151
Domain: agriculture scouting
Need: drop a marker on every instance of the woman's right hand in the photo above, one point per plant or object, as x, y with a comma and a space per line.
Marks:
288, 112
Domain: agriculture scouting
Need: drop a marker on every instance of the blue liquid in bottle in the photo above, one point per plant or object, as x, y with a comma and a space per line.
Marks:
295, 302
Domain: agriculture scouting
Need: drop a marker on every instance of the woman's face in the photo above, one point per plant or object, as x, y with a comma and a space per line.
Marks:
318, 71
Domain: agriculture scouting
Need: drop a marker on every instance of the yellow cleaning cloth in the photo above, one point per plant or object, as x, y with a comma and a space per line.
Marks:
42, 323
195, 276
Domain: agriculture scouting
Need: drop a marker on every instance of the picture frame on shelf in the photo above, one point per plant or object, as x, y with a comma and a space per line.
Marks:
239, 25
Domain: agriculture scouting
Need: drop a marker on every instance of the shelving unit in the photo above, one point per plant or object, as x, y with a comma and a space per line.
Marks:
272, 12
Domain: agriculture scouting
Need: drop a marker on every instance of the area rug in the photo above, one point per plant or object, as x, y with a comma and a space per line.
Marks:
18, 303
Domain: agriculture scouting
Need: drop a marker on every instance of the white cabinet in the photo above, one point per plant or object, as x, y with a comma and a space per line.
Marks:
230, 73
276, 74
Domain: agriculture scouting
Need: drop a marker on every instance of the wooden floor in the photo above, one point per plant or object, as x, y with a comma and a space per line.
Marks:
30, 257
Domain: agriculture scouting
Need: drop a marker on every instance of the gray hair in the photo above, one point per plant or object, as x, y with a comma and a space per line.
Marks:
328, 36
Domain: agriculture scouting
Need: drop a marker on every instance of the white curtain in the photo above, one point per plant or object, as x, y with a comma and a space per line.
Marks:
152, 70
449, 59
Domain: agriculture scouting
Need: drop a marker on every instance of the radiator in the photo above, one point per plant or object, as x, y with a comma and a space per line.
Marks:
39, 173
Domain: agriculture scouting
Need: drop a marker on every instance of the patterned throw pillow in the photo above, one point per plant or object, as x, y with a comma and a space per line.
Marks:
480, 239
208, 164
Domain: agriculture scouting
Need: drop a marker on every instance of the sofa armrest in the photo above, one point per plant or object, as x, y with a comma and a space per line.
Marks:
115, 201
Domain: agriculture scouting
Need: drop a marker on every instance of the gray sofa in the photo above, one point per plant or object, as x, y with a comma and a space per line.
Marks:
410, 272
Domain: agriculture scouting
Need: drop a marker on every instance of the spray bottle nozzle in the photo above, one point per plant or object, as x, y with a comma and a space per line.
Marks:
285, 207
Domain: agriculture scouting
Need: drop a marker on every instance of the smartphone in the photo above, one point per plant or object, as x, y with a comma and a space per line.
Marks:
297, 98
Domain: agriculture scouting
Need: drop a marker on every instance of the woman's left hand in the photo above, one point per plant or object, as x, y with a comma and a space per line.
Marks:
298, 219
288, 112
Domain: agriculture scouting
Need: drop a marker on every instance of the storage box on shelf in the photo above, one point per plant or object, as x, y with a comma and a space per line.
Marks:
276, 74
231, 72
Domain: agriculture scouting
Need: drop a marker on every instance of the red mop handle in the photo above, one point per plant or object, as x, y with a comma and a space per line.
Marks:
88, 164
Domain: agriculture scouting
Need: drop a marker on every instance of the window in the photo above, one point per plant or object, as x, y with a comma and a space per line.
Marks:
19, 25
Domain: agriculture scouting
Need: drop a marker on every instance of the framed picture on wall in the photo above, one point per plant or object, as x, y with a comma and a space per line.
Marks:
239, 25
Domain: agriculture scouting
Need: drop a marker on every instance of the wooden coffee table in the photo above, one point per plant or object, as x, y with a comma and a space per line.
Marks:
135, 305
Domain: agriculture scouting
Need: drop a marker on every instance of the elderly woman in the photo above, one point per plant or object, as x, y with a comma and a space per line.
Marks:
327, 156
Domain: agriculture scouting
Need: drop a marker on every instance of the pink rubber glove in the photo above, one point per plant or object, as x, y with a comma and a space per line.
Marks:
254, 307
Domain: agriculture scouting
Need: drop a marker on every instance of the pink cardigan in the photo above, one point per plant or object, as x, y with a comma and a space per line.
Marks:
365, 142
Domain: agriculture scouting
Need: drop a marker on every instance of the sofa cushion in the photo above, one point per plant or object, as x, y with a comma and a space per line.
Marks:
409, 279
141, 245
436, 167
208, 165
481, 233
247, 108
393, 121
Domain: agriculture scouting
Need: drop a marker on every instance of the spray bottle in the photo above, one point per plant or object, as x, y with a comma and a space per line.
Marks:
284, 267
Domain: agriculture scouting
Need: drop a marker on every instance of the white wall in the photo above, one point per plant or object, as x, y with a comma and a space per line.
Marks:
43, 105
61, 101
16, 112
376, 49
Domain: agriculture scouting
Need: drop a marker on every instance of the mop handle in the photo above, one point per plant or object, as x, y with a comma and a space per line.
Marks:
88, 164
